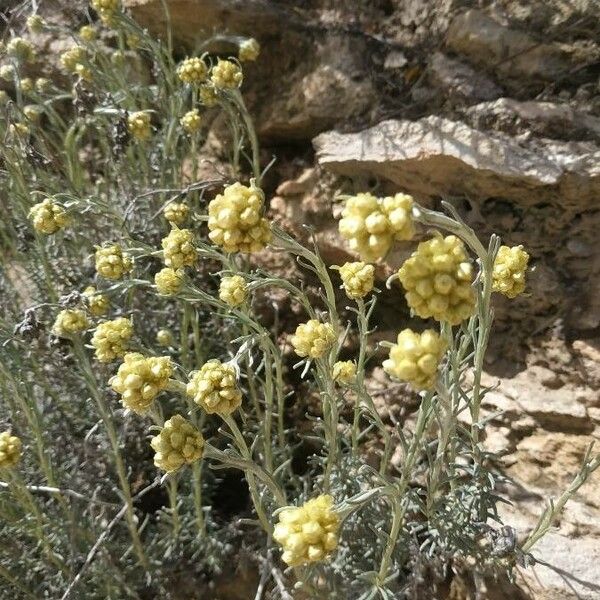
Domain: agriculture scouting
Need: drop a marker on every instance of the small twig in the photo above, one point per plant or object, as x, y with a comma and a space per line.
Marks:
54, 490
92, 553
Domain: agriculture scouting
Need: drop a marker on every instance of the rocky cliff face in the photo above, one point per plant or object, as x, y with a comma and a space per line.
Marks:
495, 107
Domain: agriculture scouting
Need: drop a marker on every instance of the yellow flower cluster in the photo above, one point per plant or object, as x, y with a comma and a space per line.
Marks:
235, 222
344, 371
191, 121
358, 279
233, 290
73, 57
176, 212
509, 271
313, 339
139, 380
415, 358
437, 280
26, 85
112, 262
214, 388
32, 113
177, 444
371, 224
70, 321
164, 338
168, 281
48, 217
307, 533
88, 33
249, 50
193, 71
106, 9
138, 125
111, 339
42, 85
7, 72
20, 49
178, 248
97, 303
10, 450
208, 96
35, 23
226, 75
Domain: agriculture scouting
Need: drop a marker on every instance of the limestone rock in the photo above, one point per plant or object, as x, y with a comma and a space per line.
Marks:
457, 79
512, 53
435, 156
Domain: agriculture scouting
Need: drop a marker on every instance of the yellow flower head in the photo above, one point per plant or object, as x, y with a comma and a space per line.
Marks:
344, 371
415, 358
176, 212
112, 262
371, 224
139, 125
179, 249
193, 71
10, 450
164, 337
509, 271
108, 5
178, 443
73, 57
4, 97
111, 339
42, 85
168, 281
35, 23
19, 130
226, 75
20, 49
233, 290
358, 279
26, 85
97, 302
214, 388
249, 50
191, 121
88, 33
208, 96
106, 10
139, 380
437, 280
133, 41
32, 113
307, 533
313, 339
7, 72
48, 217
235, 222
70, 321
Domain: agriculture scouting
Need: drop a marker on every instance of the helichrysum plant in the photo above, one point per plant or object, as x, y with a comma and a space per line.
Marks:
113, 440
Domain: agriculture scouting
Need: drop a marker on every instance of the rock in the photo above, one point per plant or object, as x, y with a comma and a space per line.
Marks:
548, 119
457, 79
508, 52
435, 156
575, 570
194, 20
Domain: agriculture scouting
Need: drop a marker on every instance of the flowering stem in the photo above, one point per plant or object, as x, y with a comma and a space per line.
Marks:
241, 105
105, 414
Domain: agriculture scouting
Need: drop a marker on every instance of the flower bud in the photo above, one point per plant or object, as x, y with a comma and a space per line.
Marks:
344, 372
226, 75
415, 358
193, 71
178, 249
307, 533
176, 212
233, 290
358, 279
112, 262
177, 444
214, 388
48, 217
111, 339
313, 339
10, 450
509, 271
249, 50
168, 281
69, 322
97, 303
